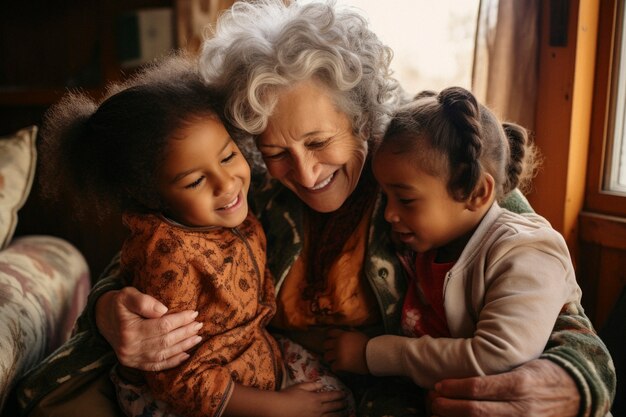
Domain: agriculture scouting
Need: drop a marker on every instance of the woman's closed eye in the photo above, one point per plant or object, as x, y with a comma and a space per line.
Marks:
318, 144
195, 184
275, 156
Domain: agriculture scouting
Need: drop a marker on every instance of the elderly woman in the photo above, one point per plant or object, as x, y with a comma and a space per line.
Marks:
312, 84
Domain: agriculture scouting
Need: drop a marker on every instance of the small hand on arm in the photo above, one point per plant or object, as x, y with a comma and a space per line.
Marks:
538, 388
345, 351
301, 400
142, 335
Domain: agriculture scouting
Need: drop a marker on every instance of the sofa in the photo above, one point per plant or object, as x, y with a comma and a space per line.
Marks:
44, 280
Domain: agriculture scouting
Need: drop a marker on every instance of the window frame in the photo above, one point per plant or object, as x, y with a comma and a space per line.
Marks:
597, 199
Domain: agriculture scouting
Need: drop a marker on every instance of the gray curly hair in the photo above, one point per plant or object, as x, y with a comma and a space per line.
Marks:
261, 47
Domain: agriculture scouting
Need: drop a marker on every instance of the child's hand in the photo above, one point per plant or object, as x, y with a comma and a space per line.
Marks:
307, 400
345, 351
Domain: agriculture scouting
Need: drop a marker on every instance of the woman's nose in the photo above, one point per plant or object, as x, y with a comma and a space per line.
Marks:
306, 171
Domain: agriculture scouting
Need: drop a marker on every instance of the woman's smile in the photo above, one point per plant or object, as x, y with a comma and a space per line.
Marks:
323, 185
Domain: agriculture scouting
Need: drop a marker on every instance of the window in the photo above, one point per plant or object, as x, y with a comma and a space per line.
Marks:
433, 41
615, 173
601, 266
606, 175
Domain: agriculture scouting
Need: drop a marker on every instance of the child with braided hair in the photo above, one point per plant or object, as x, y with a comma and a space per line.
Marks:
485, 284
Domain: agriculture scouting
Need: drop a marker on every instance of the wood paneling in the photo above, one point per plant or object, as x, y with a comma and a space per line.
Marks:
563, 117
602, 258
602, 263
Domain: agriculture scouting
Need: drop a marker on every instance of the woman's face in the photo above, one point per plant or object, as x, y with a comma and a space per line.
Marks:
309, 147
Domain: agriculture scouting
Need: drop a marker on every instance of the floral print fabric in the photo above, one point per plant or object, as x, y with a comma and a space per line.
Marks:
301, 366
44, 283
18, 158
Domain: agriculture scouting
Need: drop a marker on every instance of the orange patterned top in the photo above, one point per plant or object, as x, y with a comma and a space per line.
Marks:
221, 273
347, 300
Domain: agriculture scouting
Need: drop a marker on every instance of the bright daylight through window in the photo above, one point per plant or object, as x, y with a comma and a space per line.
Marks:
433, 41
615, 173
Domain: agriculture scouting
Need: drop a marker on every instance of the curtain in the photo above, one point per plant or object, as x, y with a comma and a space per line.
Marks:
505, 70
193, 18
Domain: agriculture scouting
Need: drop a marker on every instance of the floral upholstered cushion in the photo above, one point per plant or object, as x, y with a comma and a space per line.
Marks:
44, 282
18, 158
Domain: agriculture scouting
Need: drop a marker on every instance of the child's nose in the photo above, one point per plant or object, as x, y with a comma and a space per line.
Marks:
224, 184
390, 214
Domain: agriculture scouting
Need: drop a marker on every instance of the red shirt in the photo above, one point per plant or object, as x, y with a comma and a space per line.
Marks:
423, 312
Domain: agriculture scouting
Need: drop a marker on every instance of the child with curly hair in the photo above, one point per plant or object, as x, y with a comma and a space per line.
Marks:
158, 149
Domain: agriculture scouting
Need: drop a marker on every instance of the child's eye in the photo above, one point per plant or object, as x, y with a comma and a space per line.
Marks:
195, 183
406, 201
229, 157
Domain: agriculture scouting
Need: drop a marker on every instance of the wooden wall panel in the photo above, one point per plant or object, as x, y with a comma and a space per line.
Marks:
601, 263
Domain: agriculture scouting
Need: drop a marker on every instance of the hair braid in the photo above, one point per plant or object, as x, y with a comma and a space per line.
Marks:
523, 159
424, 93
453, 136
461, 109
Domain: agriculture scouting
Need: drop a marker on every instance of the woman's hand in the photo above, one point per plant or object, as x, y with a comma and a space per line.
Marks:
345, 351
142, 335
538, 388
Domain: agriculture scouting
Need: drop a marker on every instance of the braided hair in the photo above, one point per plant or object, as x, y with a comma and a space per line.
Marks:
461, 139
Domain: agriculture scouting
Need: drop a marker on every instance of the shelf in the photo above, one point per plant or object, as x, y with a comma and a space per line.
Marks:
32, 97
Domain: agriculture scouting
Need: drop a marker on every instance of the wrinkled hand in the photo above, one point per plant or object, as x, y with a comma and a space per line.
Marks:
306, 400
539, 388
345, 351
142, 335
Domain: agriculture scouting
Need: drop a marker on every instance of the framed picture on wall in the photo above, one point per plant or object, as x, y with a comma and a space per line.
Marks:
143, 35
193, 18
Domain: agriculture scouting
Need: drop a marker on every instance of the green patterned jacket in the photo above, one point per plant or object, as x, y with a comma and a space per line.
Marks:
573, 345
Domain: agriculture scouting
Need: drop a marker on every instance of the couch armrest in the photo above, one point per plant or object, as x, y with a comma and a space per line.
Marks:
44, 283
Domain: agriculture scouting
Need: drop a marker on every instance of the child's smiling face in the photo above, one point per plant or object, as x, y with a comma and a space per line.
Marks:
204, 178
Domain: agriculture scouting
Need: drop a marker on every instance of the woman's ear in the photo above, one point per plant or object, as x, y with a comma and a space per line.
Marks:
483, 193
